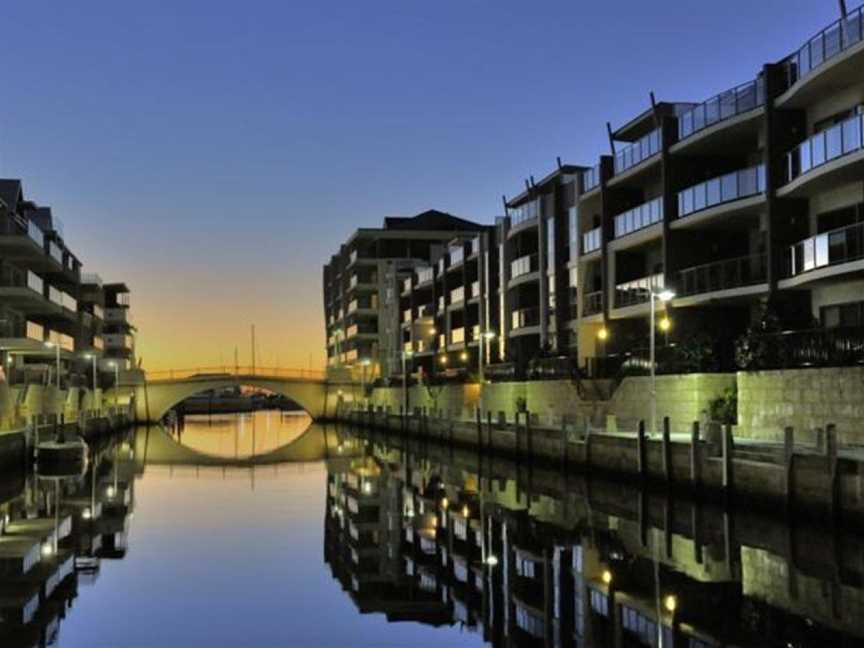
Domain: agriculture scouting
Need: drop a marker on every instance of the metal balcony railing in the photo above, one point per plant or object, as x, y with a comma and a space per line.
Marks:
638, 291
832, 143
837, 246
726, 105
723, 275
593, 303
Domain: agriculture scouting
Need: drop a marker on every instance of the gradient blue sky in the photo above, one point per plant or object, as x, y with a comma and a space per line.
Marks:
214, 154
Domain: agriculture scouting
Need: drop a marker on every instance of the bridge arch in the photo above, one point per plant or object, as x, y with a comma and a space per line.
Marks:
317, 396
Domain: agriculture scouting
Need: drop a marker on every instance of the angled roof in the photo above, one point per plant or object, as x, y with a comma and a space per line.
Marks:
431, 220
11, 192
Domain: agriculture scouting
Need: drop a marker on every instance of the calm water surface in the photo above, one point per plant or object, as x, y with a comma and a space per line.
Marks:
259, 530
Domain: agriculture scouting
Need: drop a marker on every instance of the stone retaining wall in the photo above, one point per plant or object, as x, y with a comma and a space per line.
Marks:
805, 399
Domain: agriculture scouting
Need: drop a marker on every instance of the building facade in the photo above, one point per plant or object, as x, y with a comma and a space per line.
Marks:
374, 319
51, 314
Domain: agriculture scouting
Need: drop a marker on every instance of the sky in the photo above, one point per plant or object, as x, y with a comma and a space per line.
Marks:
213, 154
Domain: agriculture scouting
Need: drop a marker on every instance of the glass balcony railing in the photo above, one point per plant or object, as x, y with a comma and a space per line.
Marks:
591, 179
34, 331
638, 152
352, 258
35, 283
426, 310
638, 291
56, 296
457, 295
524, 213
425, 275
726, 105
831, 41
62, 340
832, 143
475, 289
524, 265
457, 336
56, 252
406, 286
645, 215
474, 246
525, 317
723, 275
35, 234
732, 186
12, 277
592, 240
352, 281
441, 303
98, 343
457, 256
475, 333
841, 245
406, 315
593, 303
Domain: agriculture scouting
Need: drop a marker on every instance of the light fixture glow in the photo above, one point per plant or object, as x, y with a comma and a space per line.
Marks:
86, 514
466, 511
606, 576
47, 549
665, 295
463, 356
603, 334
443, 360
665, 324
670, 603
491, 560
444, 503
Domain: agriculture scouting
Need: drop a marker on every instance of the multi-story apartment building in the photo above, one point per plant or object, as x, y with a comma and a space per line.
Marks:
752, 199
49, 310
365, 296
119, 332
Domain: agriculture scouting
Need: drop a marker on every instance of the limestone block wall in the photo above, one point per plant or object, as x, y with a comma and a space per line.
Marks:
805, 399
682, 398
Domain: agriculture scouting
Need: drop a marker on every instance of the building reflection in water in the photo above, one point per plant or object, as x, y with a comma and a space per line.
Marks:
54, 532
526, 556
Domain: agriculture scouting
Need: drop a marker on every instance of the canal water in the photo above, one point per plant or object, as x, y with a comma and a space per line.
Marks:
263, 530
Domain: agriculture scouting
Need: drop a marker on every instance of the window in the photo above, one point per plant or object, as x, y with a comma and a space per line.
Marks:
842, 315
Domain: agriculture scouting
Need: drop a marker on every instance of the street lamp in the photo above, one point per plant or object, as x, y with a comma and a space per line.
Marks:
405, 355
56, 347
664, 296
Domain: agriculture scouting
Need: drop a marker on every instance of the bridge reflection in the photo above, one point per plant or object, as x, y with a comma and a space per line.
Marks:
156, 445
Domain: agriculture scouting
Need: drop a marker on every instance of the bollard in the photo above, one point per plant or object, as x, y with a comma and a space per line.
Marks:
640, 449
695, 467
667, 450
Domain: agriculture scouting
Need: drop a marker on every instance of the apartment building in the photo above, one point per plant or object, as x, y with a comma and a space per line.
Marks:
118, 330
50, 313
752, 197
365, 294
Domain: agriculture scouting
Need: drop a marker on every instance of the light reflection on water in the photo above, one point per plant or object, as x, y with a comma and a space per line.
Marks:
239, 436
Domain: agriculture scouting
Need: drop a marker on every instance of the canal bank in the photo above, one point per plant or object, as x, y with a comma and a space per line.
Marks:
814, 466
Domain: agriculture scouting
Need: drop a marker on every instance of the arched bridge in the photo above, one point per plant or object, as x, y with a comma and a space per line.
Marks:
310, 389
154, 446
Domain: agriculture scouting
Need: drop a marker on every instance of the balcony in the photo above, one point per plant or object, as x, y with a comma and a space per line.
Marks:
718, 276
638, 291
637, 152
474, 290
592, 240
826, 45
65, 342
817, 152
457, 295
524, 266
457, 336
593, 304
525, 318
425, 310
825, 251
474, 246
21, 239
406, 286
407, 316
457, 256
726, 105
425, 275
55, 252
529, 212
638, 218
718, 191
24, 291
590, 179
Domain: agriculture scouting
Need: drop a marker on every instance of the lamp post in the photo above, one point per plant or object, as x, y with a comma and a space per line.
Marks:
56, 347
664, 296
405, 355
